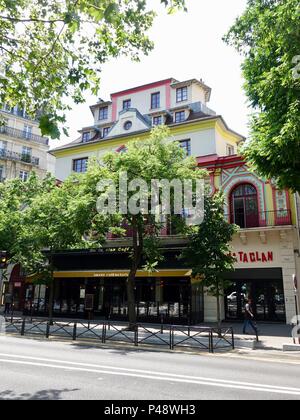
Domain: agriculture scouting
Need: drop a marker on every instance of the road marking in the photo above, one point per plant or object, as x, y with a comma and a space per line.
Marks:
159, 376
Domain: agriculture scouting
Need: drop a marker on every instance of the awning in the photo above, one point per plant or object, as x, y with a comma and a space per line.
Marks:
121, 273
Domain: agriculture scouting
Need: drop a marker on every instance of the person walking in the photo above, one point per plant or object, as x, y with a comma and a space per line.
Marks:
8, 300
249, 319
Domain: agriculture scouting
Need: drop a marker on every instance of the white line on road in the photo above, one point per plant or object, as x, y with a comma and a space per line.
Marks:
159, 376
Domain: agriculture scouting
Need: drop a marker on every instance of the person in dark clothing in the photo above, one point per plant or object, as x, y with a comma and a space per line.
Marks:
249, 318
8, 300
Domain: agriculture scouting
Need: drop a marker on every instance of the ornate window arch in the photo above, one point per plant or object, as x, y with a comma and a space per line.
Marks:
244, 205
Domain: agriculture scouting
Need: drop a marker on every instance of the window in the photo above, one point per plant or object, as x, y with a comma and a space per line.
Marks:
155, 100
1, 173
103, 113
186, 145
182, 94
3, 145
106, 131
26, 154
244, 202
127, 104
127, 125
80, 165
180, 116
27, 132
86, 137
230, 150
23, 176
158, 120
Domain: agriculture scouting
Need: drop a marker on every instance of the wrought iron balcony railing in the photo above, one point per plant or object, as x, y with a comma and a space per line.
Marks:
20, 157
261, 219
23, 135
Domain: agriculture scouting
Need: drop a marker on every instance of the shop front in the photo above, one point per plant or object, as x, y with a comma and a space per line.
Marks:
264, 287
99, 292
265, 265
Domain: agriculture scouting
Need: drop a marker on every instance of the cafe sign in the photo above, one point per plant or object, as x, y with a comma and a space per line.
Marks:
253, 257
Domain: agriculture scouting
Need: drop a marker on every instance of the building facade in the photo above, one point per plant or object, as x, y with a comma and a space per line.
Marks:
22, 150
266, 247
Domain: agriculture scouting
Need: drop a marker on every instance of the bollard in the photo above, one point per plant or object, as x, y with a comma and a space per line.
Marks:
136, 335
104, 334
23, 327
171, 338
48, 330
233, 342
75, 331
211, 341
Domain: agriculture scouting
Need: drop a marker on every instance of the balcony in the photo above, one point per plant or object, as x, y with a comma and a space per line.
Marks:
19, 157
261, 220
23, 135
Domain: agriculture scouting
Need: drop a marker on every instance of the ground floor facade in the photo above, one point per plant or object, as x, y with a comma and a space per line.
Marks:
92, 284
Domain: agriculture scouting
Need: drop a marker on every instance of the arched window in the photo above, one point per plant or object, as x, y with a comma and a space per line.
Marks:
244, 206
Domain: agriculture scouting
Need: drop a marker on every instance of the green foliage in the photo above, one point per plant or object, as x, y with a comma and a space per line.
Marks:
16, 198
209, 251
268, 35
157, 158
52, 50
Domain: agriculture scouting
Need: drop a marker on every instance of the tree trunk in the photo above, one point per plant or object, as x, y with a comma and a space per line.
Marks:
219, 309
131, 297
136, 260
51, 291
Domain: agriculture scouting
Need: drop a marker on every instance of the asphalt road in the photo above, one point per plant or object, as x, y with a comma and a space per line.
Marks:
43, 370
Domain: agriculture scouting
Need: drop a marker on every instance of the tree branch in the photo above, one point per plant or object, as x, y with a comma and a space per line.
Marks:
11, 19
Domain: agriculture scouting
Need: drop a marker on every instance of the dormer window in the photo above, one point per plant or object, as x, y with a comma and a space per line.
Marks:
126, 104
103, 113
86, 137
106, 131
155, 100
158, 120
180, 116
182, 94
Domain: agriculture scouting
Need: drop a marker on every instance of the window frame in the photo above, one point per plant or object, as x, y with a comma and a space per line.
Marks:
181, 120
155, 103
155, 118
22, 177
186, 144
84, 140
180, 96
103, 110
230, 147
126, 101
75, 161
105, 130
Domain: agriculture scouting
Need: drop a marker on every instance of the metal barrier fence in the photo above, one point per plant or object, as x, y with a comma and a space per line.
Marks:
201, 338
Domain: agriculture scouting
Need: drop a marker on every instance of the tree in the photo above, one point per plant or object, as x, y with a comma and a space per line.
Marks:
140, 163
209, 252
58, 220
52, 50
16, 197
268, 35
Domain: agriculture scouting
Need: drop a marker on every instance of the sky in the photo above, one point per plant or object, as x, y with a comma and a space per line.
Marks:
187, 45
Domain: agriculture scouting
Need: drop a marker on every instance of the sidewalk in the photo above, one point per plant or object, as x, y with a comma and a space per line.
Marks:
272, 337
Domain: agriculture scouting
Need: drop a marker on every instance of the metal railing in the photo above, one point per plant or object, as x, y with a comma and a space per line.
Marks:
23, 135
199, 338
20, 157
261, 219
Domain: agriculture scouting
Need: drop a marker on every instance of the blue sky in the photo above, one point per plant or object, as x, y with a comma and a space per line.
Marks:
187, 45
